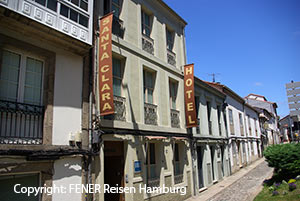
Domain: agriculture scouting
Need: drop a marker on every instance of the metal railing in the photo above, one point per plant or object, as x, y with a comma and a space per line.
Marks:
148, 44
21, 123
150, 113
171, 56
175, 122
178, 179
120, 109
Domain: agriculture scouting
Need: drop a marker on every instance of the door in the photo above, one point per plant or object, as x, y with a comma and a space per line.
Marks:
114, 168
222, 160
200, 164
212, 154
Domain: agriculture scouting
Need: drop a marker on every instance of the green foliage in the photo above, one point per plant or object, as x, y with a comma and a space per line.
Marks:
285, 158
281, 193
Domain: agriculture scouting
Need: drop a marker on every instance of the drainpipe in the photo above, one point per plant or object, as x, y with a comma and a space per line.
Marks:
192, 157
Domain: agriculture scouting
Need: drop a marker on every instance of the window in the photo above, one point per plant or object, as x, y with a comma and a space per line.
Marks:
208, 110
219, 119
113, 5
241, 124
51, 4
151, 161
173, 94
149, 80
74, 15
7, 183
21, 78
255, 127
170, 39
83, 4
249, 125
117, 77
208, 107
231, 123
116, 7
146, 24
230, 117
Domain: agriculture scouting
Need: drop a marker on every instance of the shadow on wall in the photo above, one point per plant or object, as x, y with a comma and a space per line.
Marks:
68, 167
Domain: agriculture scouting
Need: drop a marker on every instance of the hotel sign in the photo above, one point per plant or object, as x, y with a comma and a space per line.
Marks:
189, 96
105, 66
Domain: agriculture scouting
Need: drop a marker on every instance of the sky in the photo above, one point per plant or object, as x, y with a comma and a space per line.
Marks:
253, 46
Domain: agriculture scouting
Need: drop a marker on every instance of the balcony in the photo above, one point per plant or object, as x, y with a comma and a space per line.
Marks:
150, 113
210, 127
63, 16
117, 27
21, 123
171, 56
175, 122
148, 44
120, 110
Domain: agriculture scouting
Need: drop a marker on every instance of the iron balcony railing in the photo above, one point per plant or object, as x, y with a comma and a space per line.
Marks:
148, 44
21, 123
171, 57
120, 109
150, 112
175, 122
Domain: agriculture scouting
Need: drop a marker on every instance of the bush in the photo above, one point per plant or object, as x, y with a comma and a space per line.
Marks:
285, 158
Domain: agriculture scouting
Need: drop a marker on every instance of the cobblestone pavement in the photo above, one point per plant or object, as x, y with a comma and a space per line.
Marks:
246, 187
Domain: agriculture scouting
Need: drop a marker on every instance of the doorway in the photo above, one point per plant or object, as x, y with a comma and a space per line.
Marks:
200, 164
212, 154
114, 168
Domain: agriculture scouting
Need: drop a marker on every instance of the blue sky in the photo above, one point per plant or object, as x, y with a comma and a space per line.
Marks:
252, 45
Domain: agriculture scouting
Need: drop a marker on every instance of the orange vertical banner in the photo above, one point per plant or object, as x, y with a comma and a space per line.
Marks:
105, 66
189, 96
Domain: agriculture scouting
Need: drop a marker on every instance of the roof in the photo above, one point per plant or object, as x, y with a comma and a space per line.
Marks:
226, 90
172, 11
256, 95
209, 86
265, 100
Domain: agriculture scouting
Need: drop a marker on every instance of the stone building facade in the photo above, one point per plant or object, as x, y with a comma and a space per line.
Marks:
145, 142
210, 144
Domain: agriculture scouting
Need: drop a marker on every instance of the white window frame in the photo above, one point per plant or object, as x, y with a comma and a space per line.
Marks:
119, 78
21, 80
146, 88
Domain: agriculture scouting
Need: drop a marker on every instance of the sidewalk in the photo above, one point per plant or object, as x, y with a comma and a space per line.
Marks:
242, 185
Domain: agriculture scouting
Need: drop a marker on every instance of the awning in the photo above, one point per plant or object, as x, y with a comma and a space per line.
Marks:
155, 138
179, 138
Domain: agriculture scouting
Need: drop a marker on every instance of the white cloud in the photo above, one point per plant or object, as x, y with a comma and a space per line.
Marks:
258, 84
